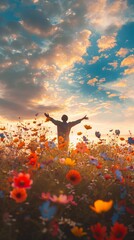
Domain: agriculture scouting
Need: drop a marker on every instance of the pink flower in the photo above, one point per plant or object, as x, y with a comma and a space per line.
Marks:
63, 199
62, 160
45, 196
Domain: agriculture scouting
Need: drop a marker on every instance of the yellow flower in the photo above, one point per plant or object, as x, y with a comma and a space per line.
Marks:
70, 162
101, 206
78, 232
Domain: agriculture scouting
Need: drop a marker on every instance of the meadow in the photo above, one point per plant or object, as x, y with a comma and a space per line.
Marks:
49, 193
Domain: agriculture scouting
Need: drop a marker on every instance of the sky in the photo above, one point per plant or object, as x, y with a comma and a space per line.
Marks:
72, 57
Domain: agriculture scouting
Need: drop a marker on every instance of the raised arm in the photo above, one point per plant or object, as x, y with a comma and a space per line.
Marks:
51, 119
78, 121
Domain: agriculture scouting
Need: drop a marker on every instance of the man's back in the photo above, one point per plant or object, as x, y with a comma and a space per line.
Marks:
64, 127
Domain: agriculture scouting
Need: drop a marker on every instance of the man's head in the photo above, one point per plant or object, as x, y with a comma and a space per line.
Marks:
64, 118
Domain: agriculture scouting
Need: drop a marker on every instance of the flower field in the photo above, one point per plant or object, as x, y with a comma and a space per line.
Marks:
48, 193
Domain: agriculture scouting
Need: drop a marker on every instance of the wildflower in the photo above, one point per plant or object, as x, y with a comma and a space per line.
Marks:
45, 196
63, 199
87, 127
54, 228
79, 133
107, 176
98, 134
122, 138
81, 147
33, 155
21, 144
62, 160
22, 181
69, 162
78, 231
118, 232
101, 206
47, 211
18, 194
131, 140
98, 231
73, 176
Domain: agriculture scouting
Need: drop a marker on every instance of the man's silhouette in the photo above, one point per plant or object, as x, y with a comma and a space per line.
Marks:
63, 128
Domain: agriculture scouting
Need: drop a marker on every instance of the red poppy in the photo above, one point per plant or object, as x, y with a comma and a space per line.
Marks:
22, 181
18, 194
98, 231
118, 231
73, 176
107, 176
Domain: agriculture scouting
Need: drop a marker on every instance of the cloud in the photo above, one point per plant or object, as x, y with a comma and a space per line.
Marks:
112, 95
4, 5
107, 17
123, 88
92, 81
129, 63
35, 22
114, 64
94, 59
106, 42
122, 52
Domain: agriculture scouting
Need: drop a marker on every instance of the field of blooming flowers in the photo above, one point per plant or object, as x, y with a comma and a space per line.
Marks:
48, 193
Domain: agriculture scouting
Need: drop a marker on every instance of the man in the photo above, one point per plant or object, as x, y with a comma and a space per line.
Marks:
63, 129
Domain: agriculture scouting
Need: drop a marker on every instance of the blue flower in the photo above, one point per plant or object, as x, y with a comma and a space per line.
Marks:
47, 211
98, 134
131, 140
2, 135
105, 157
118, 175
1, 194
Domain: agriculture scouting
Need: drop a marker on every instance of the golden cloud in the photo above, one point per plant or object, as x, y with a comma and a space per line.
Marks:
114, 64
106, 42
128, 61
92, 81
120, 84
64, 57
112, 95
122, 52
94, 60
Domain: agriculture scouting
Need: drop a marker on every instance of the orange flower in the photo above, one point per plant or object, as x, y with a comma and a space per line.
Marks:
101, 206
16, 140
118, 232
81, 147
78, 231
73, 176
122, 139
22, 181
98, 231
18, 194
21, 145
87, 127
79, 133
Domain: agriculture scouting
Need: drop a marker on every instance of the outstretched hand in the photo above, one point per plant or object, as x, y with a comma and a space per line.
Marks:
47, 115
85, 117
